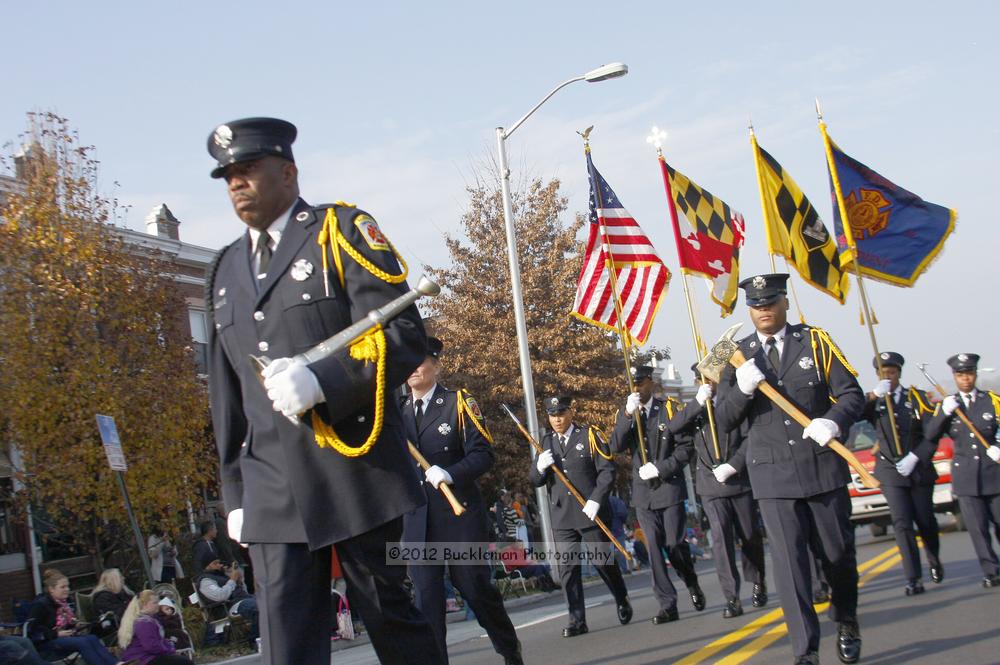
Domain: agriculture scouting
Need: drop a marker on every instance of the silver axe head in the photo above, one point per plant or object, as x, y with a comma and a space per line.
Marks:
711, 366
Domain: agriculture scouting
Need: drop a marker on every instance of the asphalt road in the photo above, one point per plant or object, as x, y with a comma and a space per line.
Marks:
956, 622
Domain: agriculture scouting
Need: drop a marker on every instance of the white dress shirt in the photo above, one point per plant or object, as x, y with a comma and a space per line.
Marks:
779, 340
275, 230
425, 400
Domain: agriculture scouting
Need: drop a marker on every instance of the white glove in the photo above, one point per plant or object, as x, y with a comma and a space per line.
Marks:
291, 386
993, 452
544, 461
821, 431
632, 403
882, 388
949, 405
436, 475
590, 509
724, 472
704, 394
748, 377
234, 524
906, 465
648, 471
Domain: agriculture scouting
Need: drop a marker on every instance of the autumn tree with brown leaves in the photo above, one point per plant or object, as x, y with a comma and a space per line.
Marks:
474, 317
90, 325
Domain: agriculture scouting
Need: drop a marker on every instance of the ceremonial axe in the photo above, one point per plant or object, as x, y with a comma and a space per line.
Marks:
727, 352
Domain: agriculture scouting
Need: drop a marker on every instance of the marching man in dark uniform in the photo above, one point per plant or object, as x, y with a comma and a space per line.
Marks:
724, 488
908, 479
341, 474
800, 484
659, 489
975, 473
448, 428
579, 452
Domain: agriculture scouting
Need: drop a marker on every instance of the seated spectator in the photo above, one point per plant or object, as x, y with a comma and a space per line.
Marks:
19, 651
163, 561
225, 585
55, 630
514, 558
173, 627
110, 596
142, 637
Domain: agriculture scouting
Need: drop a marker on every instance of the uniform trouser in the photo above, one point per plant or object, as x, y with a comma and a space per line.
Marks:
570, 571
296, 617
473, 582
825, 520
664, 529
908, 505
979, 512
732, 519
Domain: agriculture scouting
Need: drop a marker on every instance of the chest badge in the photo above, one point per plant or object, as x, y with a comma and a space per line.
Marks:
987, 416
663, 427
753, 344
579, 446
439, 400
445, 429
806, 362
301, 270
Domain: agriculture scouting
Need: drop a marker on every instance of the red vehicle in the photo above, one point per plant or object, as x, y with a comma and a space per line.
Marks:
869, 506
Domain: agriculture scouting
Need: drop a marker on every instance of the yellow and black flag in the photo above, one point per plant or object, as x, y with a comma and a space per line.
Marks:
795, 230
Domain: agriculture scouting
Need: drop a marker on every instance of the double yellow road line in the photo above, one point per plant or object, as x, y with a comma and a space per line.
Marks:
868, 571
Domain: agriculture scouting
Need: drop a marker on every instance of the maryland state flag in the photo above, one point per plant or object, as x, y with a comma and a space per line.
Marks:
794, 229
711, 247
896, 234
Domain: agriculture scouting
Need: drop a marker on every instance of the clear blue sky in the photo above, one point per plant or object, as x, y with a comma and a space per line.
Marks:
396, 105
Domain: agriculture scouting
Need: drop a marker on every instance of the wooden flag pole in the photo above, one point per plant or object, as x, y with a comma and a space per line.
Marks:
656, 139
849, 234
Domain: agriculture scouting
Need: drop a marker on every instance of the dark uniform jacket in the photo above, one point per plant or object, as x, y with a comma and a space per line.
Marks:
782, 464
694, 418
910, 416
290, 489
666, 447
972, 472
465, 454
591, 474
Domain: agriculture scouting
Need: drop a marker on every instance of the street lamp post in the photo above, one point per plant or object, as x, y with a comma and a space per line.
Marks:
602, 73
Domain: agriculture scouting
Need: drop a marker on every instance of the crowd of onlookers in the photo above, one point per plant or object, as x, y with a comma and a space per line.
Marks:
145, 628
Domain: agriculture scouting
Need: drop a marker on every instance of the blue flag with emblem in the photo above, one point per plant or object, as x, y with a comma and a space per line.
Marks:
897, 234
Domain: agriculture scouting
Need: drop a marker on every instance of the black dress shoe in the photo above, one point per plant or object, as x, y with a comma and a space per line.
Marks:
574, 630
913, 587
759, 595
624, 612
848, 642
937, 573
821, 596
991, 581
697, 597
734, 608
811, 658
666, 616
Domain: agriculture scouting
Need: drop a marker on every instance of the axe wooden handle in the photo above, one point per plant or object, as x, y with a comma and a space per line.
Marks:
782, 402
456, 506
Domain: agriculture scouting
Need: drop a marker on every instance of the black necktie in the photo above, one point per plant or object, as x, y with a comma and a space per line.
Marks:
263, 253
418, 412
772, 353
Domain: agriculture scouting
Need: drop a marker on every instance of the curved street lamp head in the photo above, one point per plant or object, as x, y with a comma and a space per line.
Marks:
604, 72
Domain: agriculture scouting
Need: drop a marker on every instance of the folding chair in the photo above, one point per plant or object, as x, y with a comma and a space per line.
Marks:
168, 590
106, 624
68, 659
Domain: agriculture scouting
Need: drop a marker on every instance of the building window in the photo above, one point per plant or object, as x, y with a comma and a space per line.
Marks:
199, 337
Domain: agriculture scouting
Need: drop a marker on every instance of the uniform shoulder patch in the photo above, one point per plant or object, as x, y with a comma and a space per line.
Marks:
372, 234
470, 401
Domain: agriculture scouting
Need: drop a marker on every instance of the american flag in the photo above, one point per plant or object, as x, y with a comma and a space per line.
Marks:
640, 277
